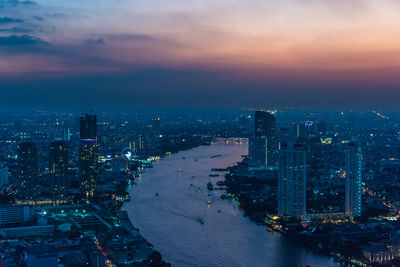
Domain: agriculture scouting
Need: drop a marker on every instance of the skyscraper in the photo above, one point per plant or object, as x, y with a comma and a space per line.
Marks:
299, 131
67, 134
353, 180
88, 156
292, 181
88, 127
262, 145
58, 168
28, 170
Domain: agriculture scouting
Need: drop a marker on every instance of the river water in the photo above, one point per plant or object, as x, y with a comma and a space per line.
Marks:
170, 207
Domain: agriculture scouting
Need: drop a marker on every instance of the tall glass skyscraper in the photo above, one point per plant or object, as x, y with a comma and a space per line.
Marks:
88, 156
353, 180
28, 170
292, 181
262, 145
58, 168
88, 127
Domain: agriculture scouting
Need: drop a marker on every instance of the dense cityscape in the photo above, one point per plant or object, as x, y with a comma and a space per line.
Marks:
199, 133
324, 179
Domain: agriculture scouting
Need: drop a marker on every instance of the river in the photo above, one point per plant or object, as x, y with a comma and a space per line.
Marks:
170, 207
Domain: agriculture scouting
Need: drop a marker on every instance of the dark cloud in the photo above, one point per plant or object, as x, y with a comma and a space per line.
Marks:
7, 3
16, 2
97, 41
6, 20
13, 40
27, 3
16, 30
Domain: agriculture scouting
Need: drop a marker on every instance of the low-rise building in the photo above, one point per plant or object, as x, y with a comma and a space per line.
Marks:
40, 230
15, 214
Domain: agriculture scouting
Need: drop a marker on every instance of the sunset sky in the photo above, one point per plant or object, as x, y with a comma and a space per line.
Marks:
236, 53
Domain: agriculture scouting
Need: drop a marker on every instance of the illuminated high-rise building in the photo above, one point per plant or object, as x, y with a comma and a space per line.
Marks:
67, 134
262, 145
292, 181
299, 132
58, 168
88, 156
27, 159
353, 180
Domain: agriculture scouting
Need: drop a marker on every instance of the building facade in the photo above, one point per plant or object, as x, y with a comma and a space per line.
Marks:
28, 169
58, 168
15, 214
353, 189
88, 156
262, 145
292, 181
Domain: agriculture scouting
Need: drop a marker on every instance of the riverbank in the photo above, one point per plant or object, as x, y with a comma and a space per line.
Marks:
359, 243
257, 197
